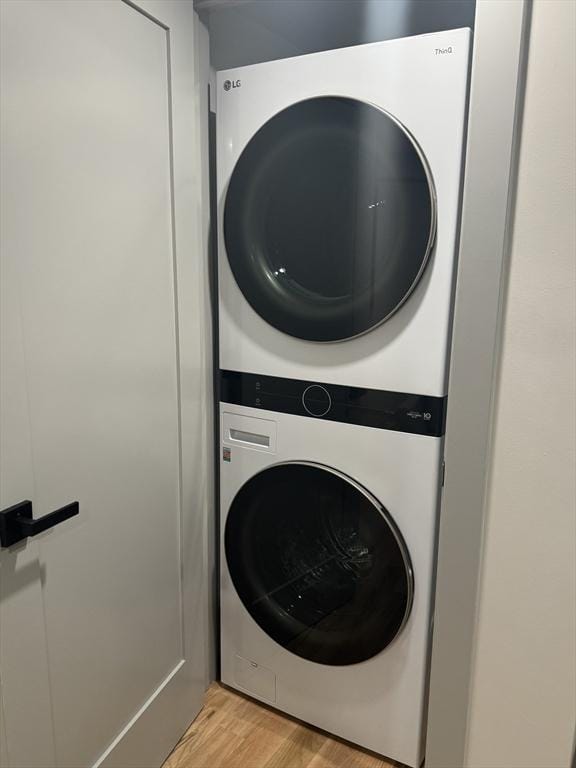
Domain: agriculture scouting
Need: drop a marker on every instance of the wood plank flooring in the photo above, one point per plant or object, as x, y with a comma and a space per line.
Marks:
232, 731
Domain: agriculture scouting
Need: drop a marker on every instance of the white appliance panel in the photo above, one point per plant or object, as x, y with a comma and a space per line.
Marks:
378, 703
421, 81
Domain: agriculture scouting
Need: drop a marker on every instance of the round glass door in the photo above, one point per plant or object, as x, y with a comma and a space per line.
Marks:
318, 563
329, 218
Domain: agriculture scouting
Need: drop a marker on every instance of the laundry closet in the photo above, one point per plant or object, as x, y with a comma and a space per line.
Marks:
253, 260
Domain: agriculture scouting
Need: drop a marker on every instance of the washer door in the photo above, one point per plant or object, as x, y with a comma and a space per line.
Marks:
318, 563
329, 218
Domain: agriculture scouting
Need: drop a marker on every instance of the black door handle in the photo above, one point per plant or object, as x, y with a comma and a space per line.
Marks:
16, 522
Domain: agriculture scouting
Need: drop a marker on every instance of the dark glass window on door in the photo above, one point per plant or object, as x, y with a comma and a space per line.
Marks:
318, 563
329, 218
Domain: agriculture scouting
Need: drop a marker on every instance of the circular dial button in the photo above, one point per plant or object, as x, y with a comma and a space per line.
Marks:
316, 400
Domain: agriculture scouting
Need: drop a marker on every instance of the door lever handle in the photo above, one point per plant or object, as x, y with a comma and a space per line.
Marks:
16, 523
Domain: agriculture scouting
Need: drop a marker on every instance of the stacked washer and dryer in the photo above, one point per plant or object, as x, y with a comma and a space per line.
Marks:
338, 181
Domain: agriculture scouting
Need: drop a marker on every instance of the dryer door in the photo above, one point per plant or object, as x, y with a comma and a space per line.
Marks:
329, 218
318, 563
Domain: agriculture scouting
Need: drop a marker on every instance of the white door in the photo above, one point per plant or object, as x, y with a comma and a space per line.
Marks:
103, 382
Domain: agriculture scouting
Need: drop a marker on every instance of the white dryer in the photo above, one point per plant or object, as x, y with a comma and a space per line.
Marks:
338, 180
328, 528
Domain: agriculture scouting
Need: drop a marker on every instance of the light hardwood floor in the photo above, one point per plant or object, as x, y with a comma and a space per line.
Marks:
232, 731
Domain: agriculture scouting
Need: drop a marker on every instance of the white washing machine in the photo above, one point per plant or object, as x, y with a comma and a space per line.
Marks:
338, 195
328, 529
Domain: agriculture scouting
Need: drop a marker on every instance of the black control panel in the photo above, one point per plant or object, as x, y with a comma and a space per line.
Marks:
398, 411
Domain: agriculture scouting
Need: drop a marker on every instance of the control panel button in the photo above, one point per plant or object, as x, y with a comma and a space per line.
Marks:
316, 400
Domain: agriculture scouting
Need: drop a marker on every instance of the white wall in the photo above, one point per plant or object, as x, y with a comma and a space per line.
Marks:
252, 31
523, 692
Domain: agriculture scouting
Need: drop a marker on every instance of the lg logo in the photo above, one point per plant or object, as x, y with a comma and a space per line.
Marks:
229, 84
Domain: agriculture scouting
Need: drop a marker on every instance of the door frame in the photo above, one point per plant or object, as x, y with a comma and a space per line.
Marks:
495, 111
144, 736
498, 72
